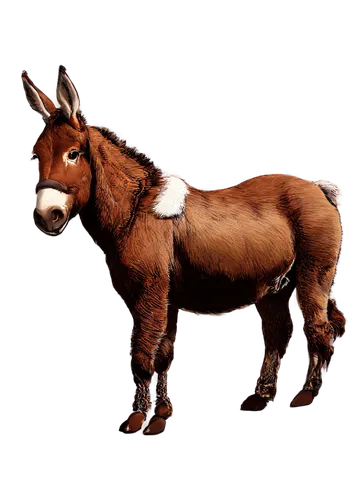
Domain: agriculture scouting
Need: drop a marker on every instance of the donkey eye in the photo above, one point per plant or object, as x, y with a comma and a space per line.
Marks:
73, 155
35, 157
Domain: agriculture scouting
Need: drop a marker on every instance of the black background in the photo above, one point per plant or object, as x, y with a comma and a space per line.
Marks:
74, 341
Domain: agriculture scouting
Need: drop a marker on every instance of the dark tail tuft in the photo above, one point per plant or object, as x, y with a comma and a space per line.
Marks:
338, 320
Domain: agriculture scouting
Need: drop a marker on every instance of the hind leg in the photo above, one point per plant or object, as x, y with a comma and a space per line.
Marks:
313, 289
336, 317
277, 331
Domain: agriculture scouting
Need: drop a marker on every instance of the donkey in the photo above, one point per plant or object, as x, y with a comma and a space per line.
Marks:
170, 246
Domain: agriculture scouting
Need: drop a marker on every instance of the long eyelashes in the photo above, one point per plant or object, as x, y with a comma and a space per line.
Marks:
34, 158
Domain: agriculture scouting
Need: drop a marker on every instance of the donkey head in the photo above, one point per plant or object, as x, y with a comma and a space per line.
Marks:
62, 150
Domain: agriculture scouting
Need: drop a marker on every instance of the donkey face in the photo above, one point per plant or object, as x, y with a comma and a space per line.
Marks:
62, 151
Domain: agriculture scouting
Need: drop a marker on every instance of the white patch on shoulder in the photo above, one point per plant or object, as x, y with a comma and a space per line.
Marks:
171, 199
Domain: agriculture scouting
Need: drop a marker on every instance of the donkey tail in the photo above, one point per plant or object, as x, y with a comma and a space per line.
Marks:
330, 190
338, 319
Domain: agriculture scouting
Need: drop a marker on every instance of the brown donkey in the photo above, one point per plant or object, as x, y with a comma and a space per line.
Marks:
170, 246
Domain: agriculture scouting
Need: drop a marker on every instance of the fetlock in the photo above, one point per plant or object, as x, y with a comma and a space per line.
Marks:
267, 384
266, 390
317, 368
142, 398
163, 400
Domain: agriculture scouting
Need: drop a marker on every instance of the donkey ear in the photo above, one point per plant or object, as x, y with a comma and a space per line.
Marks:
68, 97
37, 99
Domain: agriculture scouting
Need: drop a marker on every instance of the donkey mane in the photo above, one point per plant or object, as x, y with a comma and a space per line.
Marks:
154, 173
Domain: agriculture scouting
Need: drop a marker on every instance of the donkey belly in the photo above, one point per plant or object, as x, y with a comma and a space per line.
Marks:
214, 295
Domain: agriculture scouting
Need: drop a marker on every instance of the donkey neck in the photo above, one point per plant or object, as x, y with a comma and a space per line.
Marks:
121, 177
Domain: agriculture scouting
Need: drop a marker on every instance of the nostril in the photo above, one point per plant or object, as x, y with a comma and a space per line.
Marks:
57, 215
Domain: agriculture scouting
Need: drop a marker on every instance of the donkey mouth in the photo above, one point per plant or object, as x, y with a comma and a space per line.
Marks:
54, 233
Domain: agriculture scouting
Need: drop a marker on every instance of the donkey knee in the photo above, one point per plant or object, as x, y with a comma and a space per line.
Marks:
142, 368
164, 355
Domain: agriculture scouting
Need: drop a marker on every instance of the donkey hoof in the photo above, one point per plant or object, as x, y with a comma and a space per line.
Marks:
303, 398
156, 426
133, 423
254, 403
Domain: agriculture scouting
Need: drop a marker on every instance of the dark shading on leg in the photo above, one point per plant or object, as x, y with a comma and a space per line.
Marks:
163, 360
150, 320
142, 374
277, 331
336, 319
323, 324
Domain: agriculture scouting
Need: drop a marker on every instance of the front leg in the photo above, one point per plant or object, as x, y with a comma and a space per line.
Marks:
150, 319
163, 360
